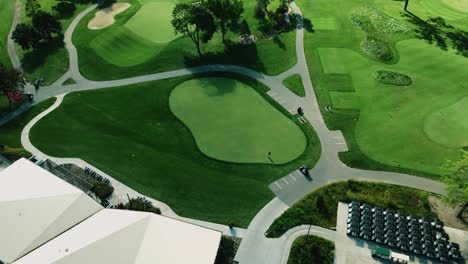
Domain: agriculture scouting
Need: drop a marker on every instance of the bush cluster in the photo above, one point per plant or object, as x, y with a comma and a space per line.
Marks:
320, 207
139, 204
394, 78
376, 48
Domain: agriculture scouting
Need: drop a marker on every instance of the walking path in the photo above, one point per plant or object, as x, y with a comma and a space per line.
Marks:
10, 43
255, 247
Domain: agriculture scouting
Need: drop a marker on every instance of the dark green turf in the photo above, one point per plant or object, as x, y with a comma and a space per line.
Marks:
130, 133
294, 83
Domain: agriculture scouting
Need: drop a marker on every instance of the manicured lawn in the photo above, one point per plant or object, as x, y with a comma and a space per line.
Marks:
161, 30
10, 133
294, 83
50, 61
453, 118
7, 10
131, 133
384, 124
320, 207
131, 48
215, 111
312, 250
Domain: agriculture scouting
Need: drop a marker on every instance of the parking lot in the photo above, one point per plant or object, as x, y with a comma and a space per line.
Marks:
357, 250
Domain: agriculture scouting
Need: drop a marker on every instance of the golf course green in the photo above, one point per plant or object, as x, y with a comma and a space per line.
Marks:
449, 126
143, 41
232, 122
388, 127
131, 133
153, 22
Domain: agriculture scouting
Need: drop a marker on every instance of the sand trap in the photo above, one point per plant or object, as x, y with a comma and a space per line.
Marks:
105, 17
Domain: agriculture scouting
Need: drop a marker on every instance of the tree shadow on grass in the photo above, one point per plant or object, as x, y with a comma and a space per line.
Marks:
234, 53
436, 31
36, 58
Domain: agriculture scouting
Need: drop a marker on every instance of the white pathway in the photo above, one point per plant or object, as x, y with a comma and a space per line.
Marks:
255, 247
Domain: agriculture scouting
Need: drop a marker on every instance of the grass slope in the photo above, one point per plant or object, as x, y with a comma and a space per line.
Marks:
380, 121
216, 110
312, 250
310, 210
161, 30
117, 52
453, 119
7, 10
294, 83
10, 133
131, 133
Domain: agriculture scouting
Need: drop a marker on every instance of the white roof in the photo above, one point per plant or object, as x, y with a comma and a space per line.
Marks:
400, 256
123, 237
36, 206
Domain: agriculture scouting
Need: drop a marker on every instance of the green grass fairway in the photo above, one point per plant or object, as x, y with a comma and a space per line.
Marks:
232, 122
123, 48
324, 23
6, 13
449, 126
381, 121
153, 22
131, 133
133, 45
294, 83
460, 5
440, 8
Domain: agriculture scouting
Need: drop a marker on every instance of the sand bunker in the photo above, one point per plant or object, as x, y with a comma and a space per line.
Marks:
105, 17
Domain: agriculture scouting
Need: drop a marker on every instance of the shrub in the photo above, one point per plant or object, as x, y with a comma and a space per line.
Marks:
101, 189
139, 204
394, 78
14, 154
376, 48
312, 250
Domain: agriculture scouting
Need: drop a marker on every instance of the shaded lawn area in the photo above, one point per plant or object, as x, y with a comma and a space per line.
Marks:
294, 83
380, 121
320, 207
130, 133
7, 10
312, 250
50, 60
10, 133
116, 52
4, 105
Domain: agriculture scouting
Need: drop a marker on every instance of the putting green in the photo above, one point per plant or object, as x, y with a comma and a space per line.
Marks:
449, 126
123, 48
153, 22
443, 8
460, 5
232, 122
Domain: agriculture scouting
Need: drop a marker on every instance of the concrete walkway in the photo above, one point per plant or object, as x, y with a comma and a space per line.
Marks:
10, 43
255, 247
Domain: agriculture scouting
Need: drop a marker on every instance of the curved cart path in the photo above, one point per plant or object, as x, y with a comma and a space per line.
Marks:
255, 247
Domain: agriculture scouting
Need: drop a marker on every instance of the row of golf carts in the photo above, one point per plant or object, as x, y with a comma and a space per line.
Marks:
409, 233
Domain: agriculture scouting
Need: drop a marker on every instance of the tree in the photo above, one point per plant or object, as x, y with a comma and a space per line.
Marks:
32, 6
26, 36
46, 24
11, 80
194, 21
227, 14
265, 4
64, 8
455, 176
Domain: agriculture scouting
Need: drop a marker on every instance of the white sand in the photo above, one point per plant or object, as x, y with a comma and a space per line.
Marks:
105, 17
